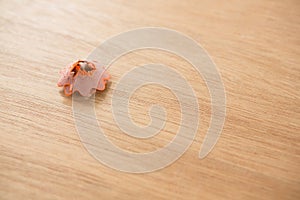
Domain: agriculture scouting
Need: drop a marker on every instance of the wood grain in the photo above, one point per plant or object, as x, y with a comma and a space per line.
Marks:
256, 47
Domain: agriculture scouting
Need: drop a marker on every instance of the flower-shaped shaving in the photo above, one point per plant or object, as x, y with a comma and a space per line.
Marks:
84, 77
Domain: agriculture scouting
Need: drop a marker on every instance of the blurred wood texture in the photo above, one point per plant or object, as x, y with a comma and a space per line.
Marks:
256, 47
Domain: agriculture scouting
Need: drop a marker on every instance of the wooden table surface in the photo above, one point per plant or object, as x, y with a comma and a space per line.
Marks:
256, 47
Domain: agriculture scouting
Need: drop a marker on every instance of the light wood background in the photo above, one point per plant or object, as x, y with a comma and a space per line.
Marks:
256, 47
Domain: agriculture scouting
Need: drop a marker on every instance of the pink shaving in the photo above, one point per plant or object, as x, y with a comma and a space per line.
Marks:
85, 77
